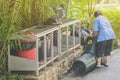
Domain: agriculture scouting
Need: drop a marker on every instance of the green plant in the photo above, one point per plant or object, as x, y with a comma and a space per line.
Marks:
81, 9
9, 76
7, 28
115, 44
20, 14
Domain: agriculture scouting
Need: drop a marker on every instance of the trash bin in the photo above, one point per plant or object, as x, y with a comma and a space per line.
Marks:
84, 64
87, 61
90, 45
28, 48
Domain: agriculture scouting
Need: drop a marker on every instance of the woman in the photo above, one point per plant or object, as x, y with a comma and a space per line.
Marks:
103, 30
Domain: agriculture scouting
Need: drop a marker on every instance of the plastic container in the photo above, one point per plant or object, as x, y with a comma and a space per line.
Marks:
28, 48
29, 54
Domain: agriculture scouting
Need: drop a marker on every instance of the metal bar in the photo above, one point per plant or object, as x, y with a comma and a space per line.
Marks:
59, 41
79, 33
47, 31
45, 48
37, 52
52, 49
73, 36
69, 23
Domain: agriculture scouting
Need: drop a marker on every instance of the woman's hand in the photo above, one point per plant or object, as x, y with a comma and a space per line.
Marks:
94, 33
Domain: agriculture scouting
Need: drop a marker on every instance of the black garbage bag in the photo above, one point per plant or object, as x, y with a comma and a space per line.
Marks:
14, 51
28, 45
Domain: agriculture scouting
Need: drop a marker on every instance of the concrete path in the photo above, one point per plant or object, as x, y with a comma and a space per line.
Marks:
110, 73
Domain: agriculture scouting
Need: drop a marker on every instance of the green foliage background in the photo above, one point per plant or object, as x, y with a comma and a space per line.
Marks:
78, 9
20, 14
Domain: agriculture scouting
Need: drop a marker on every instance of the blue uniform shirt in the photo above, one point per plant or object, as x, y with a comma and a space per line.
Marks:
104, 29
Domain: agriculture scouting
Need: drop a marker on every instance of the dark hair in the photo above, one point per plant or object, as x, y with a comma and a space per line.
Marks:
97, 13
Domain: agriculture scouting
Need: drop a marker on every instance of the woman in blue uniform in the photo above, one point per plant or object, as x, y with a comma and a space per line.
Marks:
103, 29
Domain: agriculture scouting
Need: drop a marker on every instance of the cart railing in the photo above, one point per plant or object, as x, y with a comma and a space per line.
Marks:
51, 42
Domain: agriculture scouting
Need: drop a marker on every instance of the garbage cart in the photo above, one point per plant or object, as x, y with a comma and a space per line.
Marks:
87, 60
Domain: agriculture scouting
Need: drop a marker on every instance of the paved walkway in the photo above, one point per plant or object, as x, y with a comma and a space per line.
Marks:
110, 73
